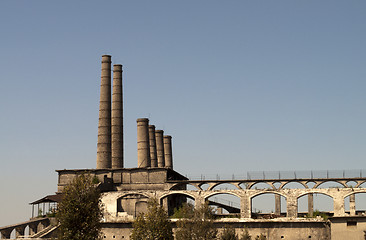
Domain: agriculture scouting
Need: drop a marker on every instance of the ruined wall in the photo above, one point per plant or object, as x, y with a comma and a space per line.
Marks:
125, 179
294, 230
348, 228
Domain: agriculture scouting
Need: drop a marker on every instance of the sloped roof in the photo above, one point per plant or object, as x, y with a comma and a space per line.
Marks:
48, 199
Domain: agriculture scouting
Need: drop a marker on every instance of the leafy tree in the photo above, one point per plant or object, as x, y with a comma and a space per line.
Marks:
80, 212
185, 211
229, 234
153, 225
197, 224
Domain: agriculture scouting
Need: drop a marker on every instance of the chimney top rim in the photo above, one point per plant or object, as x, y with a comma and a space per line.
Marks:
142, 120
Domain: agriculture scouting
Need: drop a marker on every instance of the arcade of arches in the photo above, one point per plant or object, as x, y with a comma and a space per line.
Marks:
245, 192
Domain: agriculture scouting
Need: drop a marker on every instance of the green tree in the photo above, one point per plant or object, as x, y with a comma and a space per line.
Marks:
153, 225
197, 224
185, 211
229, 234
80, 212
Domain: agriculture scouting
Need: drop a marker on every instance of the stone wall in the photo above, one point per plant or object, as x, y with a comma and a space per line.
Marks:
272, 229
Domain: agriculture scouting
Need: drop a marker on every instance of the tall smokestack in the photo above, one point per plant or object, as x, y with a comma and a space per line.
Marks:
104, 125
168, 152
160, 147
117, 118
143, 146
153, 157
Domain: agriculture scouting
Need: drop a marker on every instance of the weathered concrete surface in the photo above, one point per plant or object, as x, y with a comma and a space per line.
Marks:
277, 204
104, 124
152, 141
348, 228
143, 146
352, 204
310, 204
272, 229
245, 196
168, 152
160, 147
117, 118
126, 178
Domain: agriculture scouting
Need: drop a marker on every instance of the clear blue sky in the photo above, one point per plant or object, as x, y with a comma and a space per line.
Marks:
240, 85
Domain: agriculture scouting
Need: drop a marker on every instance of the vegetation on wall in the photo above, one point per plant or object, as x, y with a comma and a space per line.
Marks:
317, 213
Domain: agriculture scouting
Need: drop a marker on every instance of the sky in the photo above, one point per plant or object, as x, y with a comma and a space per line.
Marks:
239, 85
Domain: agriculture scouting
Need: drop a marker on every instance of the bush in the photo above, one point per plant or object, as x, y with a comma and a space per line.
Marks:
197, 225
229, 234
153, 225
80, 212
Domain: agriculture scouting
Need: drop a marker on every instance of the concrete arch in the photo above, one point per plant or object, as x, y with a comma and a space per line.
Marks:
355, 202
176, 186
175, 200
211, 188
245, 185
308, 182
203, 183
279, 183
268, 204
294, 181
314, 191
132, 203
360, 183
262, 182
224, 201
267, 192
326, 181
192, 196
349, 183
133, 193
221, 192
361, 190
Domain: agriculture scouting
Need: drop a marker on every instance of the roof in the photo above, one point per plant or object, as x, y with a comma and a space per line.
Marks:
47, 199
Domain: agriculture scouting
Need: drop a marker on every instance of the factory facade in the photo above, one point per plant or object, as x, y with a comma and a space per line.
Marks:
126, 191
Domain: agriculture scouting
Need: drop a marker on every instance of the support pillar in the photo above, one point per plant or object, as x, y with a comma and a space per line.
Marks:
5, 234
19, 231
277, 204
310, 204
117, 118
153, 153
104, 125
160, 147
352, 205
292, 206
32, 229
168, 152
245, 206
338, 205
199, 202
143, 146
